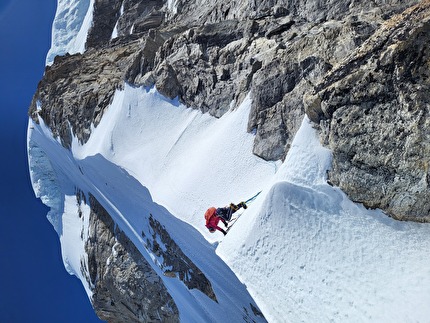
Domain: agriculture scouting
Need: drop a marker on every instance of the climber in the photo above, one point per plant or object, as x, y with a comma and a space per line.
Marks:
214, 215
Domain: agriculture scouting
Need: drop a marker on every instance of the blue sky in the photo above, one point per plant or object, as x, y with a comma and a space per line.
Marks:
34, 285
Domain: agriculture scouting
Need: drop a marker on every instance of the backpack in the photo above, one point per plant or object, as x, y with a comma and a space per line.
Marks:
209, 214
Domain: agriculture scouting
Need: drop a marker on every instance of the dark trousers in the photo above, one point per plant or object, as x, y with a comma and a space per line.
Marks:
226, 213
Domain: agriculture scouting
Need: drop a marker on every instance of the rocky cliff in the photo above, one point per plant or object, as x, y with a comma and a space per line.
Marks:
358, 70
126, 288
374, 114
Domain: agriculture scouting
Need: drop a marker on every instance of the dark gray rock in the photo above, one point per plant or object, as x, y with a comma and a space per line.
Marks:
357, 71
277, 109
139, 16
105, 16
209, 57
76, 89
374, 112
125, 287
175, 262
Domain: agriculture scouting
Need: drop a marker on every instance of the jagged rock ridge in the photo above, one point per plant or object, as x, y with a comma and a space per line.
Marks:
374, 113
362, 71
211, 55
76, 89
125, 287
175, 262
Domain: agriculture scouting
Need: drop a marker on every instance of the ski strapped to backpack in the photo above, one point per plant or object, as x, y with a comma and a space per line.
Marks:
252, 198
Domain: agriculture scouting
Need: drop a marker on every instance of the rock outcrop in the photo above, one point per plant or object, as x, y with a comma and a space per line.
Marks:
374, 113
76, 89
210, 56
125, 287
175, 262
360, 71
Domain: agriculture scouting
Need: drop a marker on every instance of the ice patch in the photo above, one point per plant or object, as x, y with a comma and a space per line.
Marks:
44, 180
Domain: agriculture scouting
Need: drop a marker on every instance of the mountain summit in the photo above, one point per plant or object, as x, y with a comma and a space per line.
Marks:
150, 112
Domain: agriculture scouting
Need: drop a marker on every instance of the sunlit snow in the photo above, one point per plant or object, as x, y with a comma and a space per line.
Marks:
130, 203
303, 249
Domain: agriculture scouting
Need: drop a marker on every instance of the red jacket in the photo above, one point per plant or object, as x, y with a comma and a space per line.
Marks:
212, 222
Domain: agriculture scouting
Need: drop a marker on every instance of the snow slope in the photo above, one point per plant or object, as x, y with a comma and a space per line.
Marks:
312, 255
304, 251
187, 160
130, 204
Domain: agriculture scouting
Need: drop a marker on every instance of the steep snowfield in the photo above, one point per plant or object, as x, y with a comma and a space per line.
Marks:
303, 250
309, 254
187, 160
130, 203
75, 229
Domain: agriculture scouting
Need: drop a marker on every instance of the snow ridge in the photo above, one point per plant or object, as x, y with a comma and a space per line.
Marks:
130, 205
72, 21
304, 251
317, 256
302, 248
44, 181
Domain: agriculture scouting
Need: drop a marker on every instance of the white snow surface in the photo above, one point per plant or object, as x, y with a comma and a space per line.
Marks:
187, 160
172, 5
304, 251
75, 229
130, 203
312, 255
72, 21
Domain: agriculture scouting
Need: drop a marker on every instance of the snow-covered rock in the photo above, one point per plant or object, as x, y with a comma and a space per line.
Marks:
123, 150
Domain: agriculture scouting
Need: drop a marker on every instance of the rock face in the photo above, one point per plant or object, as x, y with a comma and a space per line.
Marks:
125, 287
175, 262
359, 70
211, 56
77, 88
374, 114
